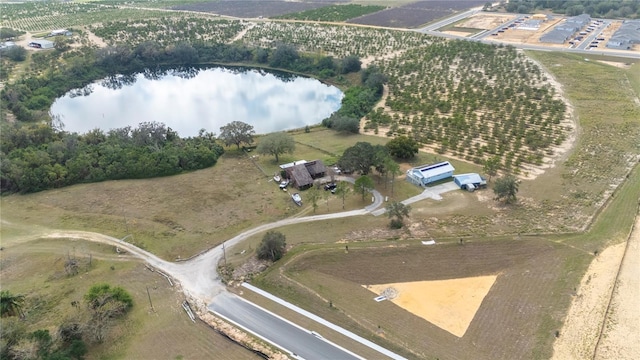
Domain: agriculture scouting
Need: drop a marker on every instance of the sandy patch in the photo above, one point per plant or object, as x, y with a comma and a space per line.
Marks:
583, 323
621, 337
486, 21
448, 304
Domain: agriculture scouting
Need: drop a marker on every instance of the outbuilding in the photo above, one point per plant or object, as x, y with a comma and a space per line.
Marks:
470, 181
41, 44
426, 174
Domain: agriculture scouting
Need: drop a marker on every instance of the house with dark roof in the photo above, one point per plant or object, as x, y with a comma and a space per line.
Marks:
302, 174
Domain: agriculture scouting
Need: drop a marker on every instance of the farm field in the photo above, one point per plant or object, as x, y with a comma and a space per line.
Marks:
332, 13
540, 272
414, 14
537, 250
253, 8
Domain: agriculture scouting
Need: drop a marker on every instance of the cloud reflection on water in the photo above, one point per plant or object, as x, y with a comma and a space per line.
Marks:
210, 99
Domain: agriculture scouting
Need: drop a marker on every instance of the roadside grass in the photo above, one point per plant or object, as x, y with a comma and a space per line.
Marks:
36, 270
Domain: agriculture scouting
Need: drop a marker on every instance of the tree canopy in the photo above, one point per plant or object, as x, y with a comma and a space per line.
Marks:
238, 133
397, 211
506, 189
361, 157
276, 144
363, 185
403, 147
273, 246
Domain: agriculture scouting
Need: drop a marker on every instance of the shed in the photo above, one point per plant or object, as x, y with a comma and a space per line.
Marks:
41, 44
60, 32
470, 181
426, 174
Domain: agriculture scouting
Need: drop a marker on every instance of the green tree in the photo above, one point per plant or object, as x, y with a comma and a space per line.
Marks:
350, 64
397, 211
314, 194
238, 133
342, 190
11, 304
491, 166
393, 169
363, 185
15, 53
361, 157
403, 147
284, 56
105, 304
273, 246
506, 189
276, 144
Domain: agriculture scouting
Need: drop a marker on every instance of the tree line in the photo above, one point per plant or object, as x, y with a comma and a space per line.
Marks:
596, 8
38, 157
36, 154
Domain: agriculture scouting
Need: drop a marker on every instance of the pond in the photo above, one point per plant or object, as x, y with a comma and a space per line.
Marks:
190, 99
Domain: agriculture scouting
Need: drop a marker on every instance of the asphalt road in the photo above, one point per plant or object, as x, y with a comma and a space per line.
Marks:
282, 333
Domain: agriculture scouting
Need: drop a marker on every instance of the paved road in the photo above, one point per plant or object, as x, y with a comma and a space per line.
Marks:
280, 332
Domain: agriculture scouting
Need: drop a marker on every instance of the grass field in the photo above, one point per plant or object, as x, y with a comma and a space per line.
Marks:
36, 270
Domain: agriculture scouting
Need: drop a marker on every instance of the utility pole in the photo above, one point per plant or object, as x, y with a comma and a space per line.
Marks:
150, 304
224, 254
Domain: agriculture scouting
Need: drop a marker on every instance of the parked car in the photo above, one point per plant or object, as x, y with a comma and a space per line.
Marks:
330, 186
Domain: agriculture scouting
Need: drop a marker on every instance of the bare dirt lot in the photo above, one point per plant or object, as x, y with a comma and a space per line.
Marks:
448, 304
581, 335
516, 316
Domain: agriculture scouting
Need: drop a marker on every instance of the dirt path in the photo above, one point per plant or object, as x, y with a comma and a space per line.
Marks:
621, 337
579, 335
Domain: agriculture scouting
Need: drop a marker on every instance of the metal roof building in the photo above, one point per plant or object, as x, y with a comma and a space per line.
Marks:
470, 181
626, 36
41, 44
426, 174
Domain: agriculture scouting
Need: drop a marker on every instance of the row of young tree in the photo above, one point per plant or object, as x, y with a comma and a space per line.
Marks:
104, 305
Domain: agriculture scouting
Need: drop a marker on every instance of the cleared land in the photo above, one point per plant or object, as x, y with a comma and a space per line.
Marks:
538, 271
417, 13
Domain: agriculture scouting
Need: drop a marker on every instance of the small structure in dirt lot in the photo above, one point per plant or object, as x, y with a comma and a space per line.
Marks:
426, 174
41, 44
470, 181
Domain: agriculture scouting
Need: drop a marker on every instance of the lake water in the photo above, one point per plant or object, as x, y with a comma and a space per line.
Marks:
188, 100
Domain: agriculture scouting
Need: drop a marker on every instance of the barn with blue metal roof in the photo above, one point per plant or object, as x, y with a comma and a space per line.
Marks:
426, 174
470, 181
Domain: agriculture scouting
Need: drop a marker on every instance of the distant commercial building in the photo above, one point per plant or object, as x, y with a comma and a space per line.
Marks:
627, 35
426, 174
42, 44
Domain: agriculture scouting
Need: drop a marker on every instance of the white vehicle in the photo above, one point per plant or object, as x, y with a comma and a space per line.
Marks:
296, 199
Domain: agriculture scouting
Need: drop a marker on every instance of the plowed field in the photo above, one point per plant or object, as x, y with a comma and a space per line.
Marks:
517, 318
